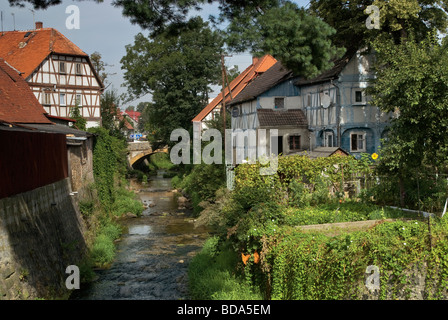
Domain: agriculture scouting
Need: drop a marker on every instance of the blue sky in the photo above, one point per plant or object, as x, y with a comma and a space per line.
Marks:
102, 29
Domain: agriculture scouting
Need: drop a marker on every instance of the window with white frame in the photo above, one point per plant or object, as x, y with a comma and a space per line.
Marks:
358, 142
358, 96
78, 100
62, 100
46, 98
328, 139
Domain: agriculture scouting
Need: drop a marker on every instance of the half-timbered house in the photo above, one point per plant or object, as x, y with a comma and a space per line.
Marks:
330, 110
59, 73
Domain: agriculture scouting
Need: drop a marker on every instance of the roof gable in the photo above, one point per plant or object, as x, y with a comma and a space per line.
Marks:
17, 103
256, 69
25, 50
275, 75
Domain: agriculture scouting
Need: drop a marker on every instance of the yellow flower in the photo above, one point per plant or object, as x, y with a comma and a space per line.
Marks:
374, 156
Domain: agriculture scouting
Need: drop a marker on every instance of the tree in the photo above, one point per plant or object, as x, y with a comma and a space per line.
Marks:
412, 81
75, 114
100, 66
176, 67
109, 113
278, 27
299, 40
397, 19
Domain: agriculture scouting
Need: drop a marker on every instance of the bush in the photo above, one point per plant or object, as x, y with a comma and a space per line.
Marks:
103, 249
211, 275
125, 202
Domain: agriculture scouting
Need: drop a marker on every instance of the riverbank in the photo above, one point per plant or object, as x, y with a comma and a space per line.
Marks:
153, 252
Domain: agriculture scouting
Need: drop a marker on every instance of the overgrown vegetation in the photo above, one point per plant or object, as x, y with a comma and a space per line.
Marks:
109, 200
261, 250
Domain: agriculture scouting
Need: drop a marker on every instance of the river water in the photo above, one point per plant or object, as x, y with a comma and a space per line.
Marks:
153, 252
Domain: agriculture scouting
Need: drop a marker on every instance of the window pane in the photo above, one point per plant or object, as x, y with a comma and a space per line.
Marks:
360, 142
279, 103
354, 142
294, 142
62, 99
358, 96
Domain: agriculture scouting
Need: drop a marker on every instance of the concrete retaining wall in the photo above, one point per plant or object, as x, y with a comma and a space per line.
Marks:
41, 233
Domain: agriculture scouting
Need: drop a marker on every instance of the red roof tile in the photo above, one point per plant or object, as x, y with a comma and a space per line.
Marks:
17, 102
134, 115
259, 66
25, 50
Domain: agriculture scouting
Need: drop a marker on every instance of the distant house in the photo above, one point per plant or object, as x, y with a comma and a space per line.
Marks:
330, 110
257, 68
134, 117
59, 73
125, 124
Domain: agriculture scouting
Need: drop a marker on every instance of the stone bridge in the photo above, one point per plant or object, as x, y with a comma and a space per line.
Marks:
141, 150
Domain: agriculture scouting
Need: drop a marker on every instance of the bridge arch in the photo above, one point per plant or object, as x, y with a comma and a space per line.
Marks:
140, 157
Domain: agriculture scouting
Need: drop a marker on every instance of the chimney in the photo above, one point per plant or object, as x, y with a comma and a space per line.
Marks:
39, 25
254, 60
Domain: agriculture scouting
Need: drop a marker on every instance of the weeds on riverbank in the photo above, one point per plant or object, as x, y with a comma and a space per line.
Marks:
257, 228
108, 199
212, 276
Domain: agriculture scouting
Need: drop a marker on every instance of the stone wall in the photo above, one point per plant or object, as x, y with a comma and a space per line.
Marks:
41, 233
80, 157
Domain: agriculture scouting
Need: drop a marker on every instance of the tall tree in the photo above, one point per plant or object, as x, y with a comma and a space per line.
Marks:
412, 81
177, 67
398, 18
100, 66
299, 40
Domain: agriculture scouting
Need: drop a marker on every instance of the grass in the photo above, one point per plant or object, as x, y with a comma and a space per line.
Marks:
103, 249
212, 275
341, 212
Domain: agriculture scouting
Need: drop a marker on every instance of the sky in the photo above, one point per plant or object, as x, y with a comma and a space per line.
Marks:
102, 28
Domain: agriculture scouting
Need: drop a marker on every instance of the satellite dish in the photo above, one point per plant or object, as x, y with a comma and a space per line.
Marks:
325, 100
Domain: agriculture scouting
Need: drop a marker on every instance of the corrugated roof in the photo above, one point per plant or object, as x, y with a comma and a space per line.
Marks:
17, 103
256, 69
275, 118
26, 53
273, 76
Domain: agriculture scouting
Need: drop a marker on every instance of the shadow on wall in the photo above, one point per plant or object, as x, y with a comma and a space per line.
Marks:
41, 234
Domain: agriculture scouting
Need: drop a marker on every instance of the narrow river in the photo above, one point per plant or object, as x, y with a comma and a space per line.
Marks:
153, 252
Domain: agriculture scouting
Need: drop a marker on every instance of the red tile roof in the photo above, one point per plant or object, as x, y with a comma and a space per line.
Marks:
134, 115
17, 102
259, 66
25, 50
